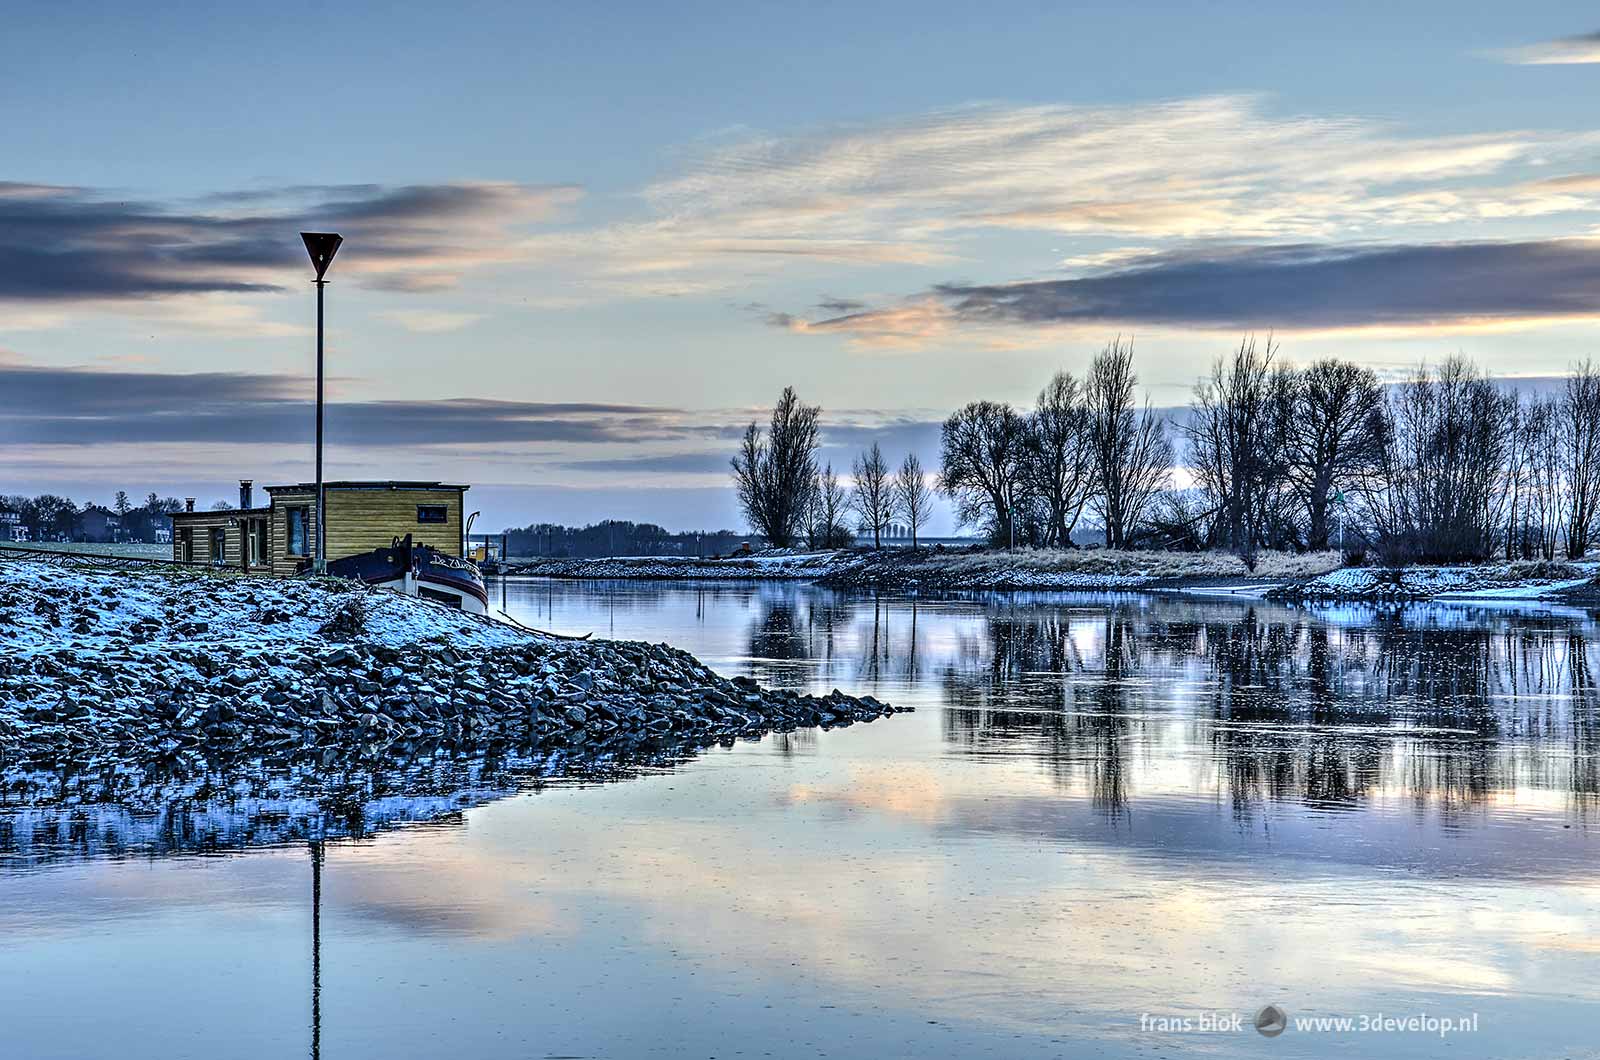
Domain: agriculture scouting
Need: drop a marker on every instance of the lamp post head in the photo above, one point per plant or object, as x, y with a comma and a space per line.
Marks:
322, 246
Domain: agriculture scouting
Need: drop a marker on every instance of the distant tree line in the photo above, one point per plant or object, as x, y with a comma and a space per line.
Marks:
1442, 467
615, 537
49, 517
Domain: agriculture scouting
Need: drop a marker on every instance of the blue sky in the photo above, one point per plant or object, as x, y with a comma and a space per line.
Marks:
585, 245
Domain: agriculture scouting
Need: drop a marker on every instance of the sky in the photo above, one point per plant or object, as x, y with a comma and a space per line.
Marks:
585, 245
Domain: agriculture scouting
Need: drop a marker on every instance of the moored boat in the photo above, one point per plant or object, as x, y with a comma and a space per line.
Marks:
418, 570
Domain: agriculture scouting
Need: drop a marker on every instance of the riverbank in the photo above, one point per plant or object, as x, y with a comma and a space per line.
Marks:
957, 570
1287, 576
153, 663
1524, 580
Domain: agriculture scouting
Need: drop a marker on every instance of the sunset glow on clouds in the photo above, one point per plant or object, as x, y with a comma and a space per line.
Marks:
870, 249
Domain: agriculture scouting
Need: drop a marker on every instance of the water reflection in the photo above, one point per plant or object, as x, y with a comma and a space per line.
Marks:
1104, 805
1447, 707
193, 805
1289, 704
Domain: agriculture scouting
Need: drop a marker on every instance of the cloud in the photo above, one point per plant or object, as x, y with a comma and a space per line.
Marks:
1287, 287
82, 406
429, 321
68, 244
671, 463
1584, 48
956, 185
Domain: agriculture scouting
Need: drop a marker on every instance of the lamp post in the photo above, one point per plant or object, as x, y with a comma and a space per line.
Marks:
322, 246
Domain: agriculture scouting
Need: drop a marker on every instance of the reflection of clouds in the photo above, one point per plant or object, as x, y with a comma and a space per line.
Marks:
468, 891
917, 793
1041, 934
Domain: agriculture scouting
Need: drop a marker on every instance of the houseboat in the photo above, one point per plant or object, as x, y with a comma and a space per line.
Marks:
408, 536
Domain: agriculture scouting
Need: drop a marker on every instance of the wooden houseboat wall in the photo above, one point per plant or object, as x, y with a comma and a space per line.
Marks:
281, 538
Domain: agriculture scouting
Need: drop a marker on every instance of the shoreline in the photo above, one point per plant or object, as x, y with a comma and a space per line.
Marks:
1288, 578
151, 664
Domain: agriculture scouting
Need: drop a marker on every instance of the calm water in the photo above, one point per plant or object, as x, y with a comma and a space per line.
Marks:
1103, 808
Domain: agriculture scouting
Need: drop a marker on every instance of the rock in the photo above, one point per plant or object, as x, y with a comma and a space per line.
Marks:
167, 684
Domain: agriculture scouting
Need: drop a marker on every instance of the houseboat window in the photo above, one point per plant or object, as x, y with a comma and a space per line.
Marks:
219, 545
432, 513
297, 531
258, 542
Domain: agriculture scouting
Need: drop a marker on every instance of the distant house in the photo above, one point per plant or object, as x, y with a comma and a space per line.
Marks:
99, 523
11, 527
160, 528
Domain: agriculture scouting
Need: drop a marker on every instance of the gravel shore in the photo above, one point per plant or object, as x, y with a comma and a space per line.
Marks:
152, 664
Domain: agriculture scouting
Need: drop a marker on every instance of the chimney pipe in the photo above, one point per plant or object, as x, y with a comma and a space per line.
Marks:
244, 493
188, 504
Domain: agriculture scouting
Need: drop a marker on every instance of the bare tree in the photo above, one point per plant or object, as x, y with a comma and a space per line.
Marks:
1537, 523
122, 505
1235, 451
911, 495
1333, 432
874, 493
825, 523
982, 456
774, 473
1578, 439
1438, 491
1058, 457
1131, 453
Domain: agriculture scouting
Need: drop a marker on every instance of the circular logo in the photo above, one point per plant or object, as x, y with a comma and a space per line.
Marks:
1272, 1021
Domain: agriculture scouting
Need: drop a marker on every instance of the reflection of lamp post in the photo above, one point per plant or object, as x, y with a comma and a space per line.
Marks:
322, 246
316, 946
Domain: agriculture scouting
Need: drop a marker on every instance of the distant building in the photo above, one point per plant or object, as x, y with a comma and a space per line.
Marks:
11, 528
99, 523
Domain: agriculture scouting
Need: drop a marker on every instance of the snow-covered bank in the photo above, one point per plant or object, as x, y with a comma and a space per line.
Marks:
776, 564
153, 663
1282, 575
1534, 580
962, 569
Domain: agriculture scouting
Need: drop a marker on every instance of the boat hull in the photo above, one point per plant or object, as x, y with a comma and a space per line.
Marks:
421, 571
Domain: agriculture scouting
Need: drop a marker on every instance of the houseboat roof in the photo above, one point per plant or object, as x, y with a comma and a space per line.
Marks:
217, 512
385, 484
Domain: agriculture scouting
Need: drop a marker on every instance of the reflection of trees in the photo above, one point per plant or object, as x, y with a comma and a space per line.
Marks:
861, 642
1442, 706
1034, 693
794, 629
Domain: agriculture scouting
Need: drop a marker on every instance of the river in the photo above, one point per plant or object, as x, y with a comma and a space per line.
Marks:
1108, 815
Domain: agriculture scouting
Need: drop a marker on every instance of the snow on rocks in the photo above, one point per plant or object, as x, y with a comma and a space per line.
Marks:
159, 662
1489, 581
960, 569
773, 565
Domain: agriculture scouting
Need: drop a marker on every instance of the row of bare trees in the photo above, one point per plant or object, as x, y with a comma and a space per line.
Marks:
1444, 466
787, 498
1029, 476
